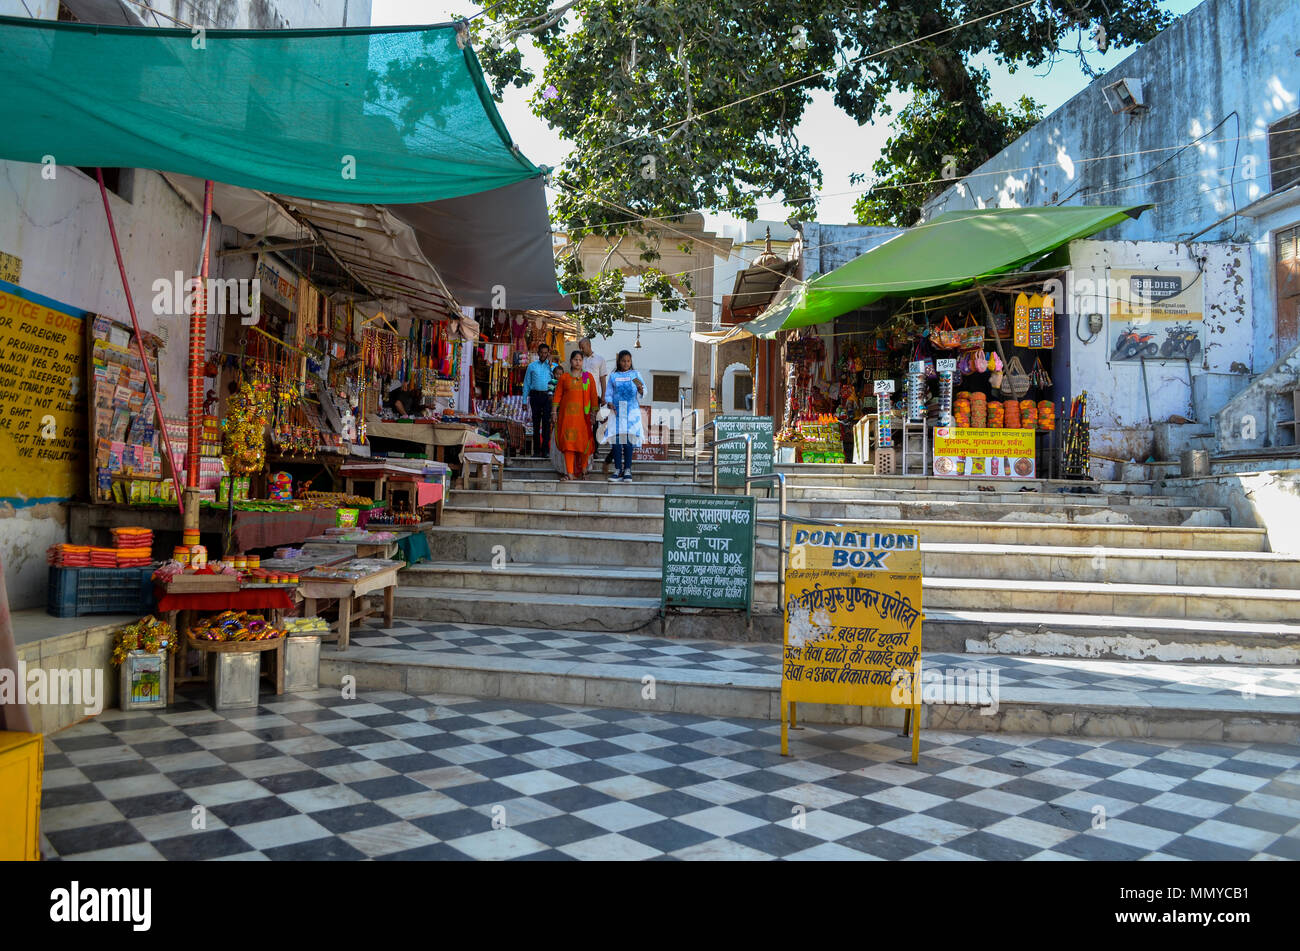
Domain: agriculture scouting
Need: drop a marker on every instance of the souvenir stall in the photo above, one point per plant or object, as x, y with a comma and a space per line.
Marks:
510, 342
969, 381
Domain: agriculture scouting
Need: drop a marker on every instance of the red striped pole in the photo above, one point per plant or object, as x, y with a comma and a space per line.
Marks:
198, 340
139, 341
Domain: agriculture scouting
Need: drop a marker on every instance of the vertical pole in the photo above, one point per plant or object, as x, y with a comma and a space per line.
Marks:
139, 342
198, 341
749, 457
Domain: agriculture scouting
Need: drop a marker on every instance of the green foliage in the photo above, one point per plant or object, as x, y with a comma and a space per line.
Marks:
935, 142
684, 105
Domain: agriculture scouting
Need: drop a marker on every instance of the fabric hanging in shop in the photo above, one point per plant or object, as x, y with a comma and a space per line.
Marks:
374, 114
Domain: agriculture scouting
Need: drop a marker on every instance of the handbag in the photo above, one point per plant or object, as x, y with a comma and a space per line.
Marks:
971, 334
1039, 377
944, 337
1015, 382
979, 363
1001, 322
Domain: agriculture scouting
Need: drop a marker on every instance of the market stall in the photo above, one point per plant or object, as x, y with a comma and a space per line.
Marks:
970, 389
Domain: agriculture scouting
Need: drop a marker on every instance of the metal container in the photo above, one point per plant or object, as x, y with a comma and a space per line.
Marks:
143, 681
302, 662
234, 678
1194, 462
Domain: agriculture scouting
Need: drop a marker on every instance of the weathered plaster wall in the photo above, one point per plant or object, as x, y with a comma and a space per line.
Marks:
1117, 404
58, 229
1269, 500
1225, 71
827, 247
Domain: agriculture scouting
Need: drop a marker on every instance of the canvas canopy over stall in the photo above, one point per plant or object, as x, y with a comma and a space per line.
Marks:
953, 251
398, 117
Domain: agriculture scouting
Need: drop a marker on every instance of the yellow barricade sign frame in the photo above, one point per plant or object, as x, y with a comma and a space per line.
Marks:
852, 622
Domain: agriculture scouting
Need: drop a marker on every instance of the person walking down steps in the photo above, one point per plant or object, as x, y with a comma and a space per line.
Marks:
623, 393
575, 410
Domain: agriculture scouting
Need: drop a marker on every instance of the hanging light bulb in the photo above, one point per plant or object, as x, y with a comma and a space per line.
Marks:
638, 339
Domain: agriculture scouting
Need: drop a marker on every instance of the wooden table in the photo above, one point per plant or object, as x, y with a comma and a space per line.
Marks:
179, 618
348, 591
384, 550
434, 437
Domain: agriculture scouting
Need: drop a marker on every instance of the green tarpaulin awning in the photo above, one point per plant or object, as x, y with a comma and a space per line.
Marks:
380, 115
954, 250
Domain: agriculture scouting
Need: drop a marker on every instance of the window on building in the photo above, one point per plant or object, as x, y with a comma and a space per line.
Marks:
116, 180
638, 308
744, 388
1288, 288
665, 387
1284, 152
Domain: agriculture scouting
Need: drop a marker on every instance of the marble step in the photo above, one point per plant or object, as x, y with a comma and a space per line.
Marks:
1181, 640
1025, 507
842, 488
1053, 597
1005, 533
1142, 700
940, 559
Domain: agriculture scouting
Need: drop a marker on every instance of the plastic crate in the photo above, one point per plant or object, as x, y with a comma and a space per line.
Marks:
77, 591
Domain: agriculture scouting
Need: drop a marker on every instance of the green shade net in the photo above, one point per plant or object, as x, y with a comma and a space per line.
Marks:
953, 251
382, 115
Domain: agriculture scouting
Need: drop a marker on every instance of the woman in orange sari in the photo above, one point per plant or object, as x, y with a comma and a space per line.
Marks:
575, 406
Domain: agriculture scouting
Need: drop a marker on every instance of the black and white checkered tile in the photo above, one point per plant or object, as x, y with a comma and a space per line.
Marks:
393, 776
1028, 672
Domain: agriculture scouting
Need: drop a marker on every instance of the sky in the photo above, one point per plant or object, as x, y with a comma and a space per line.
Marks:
837, 142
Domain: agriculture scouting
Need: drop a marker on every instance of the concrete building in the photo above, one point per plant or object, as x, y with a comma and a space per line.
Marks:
55, 242
1203, 122
672, 364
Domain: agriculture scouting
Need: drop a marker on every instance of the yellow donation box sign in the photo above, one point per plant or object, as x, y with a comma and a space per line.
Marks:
852, 621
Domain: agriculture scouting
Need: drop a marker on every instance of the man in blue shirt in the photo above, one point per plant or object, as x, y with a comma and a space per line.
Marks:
539, 381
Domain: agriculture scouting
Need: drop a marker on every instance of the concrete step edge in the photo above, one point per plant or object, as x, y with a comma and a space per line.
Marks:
1100, 713
946, 523
1105, 588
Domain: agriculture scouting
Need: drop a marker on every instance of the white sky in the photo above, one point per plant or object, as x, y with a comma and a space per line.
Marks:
837, 142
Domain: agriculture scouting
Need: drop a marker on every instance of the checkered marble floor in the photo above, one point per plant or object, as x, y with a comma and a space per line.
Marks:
393, 776
760, 658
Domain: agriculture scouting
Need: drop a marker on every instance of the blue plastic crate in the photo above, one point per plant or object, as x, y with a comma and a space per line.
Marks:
77, 591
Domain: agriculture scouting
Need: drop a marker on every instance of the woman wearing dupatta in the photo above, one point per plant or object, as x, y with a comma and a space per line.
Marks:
575, 406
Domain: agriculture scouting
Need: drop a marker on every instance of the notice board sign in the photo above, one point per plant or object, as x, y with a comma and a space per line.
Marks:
852, 621
731, 458
42, 416
986, 453
708, 559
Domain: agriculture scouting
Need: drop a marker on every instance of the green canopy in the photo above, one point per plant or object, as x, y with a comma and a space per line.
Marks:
381, 115
953, 251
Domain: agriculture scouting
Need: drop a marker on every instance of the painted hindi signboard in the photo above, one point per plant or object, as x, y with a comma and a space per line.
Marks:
708, 559
731, 457
852, 621
986, 453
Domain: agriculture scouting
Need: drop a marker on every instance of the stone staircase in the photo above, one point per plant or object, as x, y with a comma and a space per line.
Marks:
1120, 572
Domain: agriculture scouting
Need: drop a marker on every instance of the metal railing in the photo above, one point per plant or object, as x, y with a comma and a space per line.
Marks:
695, 444
748, 440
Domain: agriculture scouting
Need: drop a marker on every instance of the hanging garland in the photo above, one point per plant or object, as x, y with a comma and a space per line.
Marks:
243, 439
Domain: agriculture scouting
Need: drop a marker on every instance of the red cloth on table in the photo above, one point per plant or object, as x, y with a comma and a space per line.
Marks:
258, 599
254, 530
